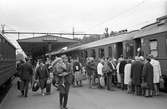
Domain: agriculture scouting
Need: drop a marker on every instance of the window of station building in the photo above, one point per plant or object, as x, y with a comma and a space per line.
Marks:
154, 47
0, 40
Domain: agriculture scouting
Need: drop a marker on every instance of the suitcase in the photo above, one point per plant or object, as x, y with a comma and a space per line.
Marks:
48, 87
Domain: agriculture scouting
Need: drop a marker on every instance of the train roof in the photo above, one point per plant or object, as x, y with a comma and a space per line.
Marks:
157, 27
7, 40
105, 41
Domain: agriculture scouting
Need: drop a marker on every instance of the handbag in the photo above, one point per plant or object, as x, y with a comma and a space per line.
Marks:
161, 83
35, 86
102, 83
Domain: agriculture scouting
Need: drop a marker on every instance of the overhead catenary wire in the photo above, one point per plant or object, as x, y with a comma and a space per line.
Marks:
116, 16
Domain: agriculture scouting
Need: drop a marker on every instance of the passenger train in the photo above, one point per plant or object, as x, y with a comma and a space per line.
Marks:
7, 61
152, 39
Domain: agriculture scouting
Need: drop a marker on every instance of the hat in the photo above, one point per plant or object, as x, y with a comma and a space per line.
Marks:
63, 56
141, 58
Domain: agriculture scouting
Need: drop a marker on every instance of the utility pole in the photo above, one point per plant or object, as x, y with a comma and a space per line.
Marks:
3, 28
73, 32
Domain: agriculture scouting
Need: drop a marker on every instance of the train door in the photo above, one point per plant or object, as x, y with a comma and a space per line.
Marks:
129, 50
119, 49
93, 53
101, 52
137, 45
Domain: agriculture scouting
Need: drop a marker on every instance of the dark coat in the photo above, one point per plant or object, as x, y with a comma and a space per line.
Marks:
67, 79
91, 68
76, 64
26, 71
148, 75
136, 72
122, 66
42, 74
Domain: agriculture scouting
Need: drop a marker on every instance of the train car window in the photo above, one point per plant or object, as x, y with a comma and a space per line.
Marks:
166, 45
154, 47
0, 40
110, 51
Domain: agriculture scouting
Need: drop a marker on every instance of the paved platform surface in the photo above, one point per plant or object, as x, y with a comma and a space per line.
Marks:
83, 98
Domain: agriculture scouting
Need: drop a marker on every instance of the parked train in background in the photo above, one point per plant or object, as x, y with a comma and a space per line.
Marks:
152, 39
7, 61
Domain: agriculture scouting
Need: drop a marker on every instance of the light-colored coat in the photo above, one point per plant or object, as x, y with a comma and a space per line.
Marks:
100, 68
127, 74
156, 70
118, 74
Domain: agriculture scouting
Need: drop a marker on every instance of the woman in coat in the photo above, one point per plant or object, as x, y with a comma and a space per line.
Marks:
127, 79
42, 76
157, 75
148, 77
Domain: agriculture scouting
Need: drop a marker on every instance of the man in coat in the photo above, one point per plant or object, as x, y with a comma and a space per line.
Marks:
136, 74
26, 76
147, 76
91, 71
42, 75
121, 71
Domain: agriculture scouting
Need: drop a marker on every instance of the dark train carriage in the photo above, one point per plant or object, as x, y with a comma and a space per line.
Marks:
110, 47
7, 60
153, 40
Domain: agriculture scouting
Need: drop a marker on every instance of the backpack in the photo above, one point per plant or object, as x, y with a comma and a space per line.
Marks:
77, 66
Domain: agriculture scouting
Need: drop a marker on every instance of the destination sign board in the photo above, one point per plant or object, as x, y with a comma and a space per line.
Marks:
50, 39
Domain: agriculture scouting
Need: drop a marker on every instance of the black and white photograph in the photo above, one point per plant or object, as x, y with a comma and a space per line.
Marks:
83, 54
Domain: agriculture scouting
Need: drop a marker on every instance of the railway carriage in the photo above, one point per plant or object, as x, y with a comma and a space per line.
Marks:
7, 61
152, 39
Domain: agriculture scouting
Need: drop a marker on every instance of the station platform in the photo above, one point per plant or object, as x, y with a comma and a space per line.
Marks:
83, 98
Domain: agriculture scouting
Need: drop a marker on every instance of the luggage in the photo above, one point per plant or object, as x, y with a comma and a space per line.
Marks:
55, 81
35, 86
162, 83
102, 83
48, 86
20, 85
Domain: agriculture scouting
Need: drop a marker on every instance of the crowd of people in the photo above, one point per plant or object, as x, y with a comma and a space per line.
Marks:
140, 76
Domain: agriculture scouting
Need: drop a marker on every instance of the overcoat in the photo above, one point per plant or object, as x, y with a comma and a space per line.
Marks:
136, 72
127, 74
91, 68
156, 70
42, 74
148, 75
26, 71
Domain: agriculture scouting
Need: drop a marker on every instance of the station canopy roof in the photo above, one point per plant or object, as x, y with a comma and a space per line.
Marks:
36, 46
